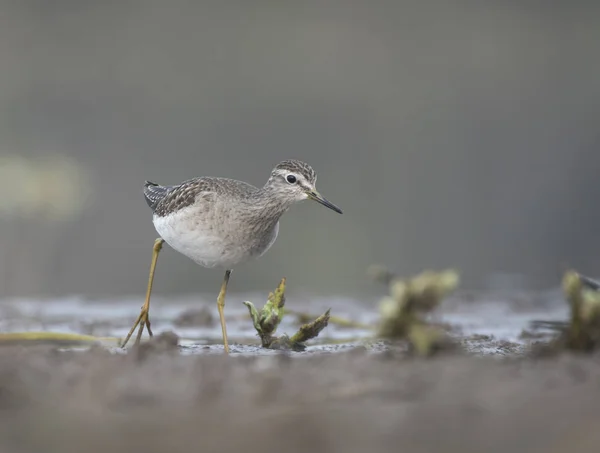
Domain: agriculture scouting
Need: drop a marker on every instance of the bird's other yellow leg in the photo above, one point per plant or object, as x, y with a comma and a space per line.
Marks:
143, 319
220, 306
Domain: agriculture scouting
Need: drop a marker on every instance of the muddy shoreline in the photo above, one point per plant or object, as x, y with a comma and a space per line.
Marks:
345, 393
155, 399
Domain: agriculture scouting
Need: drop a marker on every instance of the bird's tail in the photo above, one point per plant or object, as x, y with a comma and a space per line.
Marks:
153, 193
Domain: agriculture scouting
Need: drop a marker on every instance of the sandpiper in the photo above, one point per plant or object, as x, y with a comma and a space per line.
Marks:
221, 222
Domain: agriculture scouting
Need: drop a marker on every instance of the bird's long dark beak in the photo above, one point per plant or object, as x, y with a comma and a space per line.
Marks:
314, 195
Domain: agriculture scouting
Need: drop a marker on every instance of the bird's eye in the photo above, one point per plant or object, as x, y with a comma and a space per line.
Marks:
291, 179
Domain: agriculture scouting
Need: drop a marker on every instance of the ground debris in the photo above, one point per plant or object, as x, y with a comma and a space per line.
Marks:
267, 320
164, 343
403, 310
43, 337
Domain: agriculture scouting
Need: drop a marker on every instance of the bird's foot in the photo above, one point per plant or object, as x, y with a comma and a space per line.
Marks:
142, 320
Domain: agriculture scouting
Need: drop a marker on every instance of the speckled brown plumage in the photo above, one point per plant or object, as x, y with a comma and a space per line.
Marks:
165, 200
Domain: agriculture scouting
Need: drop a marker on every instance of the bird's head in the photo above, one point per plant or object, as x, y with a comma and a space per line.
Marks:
295, 181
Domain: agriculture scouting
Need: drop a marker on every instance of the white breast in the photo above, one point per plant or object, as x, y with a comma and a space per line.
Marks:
187, 234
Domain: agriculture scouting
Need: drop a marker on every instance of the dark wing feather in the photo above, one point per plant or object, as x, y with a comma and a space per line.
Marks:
165, 200
154, 193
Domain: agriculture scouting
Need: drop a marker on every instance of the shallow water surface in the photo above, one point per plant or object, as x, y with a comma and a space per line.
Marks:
489, 318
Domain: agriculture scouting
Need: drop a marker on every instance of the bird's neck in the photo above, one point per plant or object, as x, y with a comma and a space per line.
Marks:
270, 206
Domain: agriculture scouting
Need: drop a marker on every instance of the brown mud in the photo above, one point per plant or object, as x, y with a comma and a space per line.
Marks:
154, 399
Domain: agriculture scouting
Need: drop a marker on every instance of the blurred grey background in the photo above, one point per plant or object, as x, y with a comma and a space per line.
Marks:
452, 133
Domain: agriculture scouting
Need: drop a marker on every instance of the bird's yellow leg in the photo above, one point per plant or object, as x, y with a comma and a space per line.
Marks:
220, 306
143, 319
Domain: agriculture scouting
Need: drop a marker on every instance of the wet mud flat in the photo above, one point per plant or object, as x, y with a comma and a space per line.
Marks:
156, 399
345, 393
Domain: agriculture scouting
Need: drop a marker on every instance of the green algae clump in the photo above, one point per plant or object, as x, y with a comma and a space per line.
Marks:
269, 317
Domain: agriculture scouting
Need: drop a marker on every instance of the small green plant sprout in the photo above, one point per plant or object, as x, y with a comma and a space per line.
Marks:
404, 310
267, 320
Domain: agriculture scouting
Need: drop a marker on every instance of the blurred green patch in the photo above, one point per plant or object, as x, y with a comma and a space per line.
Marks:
404, 311
582, 331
